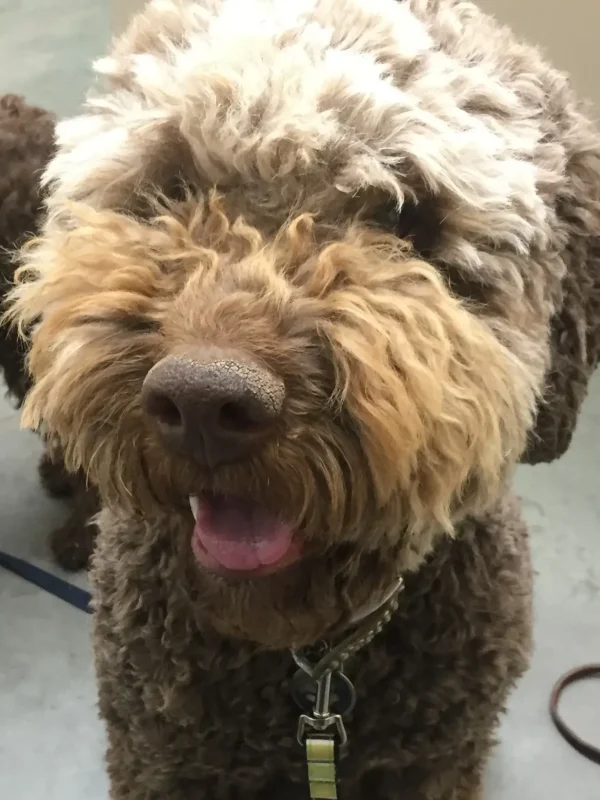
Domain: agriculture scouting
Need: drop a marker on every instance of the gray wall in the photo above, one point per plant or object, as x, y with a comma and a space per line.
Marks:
121, 10
567, 32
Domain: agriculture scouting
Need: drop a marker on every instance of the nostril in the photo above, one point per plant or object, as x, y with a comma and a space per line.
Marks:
239, 418
212, 408
164, 410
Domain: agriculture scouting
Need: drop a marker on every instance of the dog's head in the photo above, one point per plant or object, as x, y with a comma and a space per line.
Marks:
293, 295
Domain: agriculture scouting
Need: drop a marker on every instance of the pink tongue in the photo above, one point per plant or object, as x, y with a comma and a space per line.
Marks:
240, 536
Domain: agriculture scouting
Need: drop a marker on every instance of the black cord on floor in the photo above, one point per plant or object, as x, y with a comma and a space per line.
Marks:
590, 751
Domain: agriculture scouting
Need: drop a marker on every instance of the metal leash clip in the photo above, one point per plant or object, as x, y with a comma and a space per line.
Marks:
321, 728
324, 695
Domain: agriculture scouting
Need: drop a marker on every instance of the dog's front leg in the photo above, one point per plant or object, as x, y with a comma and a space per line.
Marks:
72, 543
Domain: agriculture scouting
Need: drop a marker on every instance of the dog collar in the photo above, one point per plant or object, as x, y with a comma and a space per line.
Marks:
326, 695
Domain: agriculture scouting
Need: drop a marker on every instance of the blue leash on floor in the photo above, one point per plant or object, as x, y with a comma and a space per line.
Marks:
48, 582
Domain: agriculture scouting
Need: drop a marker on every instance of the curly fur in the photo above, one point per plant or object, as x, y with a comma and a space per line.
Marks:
396, 209
429, 688
26, 147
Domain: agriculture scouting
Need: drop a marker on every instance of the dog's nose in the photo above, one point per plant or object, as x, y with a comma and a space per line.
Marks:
213, 406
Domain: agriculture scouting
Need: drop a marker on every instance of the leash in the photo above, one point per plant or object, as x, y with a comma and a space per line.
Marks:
73, 595
325, 695
590, 751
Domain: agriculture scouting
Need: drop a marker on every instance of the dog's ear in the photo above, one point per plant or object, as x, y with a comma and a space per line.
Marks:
575, 327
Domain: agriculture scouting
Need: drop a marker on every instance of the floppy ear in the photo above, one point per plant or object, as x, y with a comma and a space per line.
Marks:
575, 327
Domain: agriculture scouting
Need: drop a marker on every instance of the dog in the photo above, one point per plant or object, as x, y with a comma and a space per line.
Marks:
314, 278
26, 147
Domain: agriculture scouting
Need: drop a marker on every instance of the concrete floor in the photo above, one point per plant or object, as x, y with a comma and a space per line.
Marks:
51, 742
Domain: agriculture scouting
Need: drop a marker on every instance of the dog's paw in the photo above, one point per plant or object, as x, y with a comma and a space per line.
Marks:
55, 480
72, 544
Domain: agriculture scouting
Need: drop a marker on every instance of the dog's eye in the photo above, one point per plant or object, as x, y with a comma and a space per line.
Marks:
176, 190
467, 287
151, 201
419, 223
126, 322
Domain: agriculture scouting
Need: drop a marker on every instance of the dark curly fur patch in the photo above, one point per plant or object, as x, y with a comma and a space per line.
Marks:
26, 146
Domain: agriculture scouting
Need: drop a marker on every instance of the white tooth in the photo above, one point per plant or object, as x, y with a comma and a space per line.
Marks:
194, 505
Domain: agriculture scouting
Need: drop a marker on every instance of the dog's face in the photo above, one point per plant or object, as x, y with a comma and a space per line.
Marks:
232, 335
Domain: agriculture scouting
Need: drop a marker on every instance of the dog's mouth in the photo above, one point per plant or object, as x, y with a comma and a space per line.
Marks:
235, 536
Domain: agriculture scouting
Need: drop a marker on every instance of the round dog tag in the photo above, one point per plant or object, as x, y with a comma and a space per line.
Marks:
341, 697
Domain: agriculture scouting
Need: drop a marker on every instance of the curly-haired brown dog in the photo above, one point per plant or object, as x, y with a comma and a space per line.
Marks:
317, 266
26, 146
